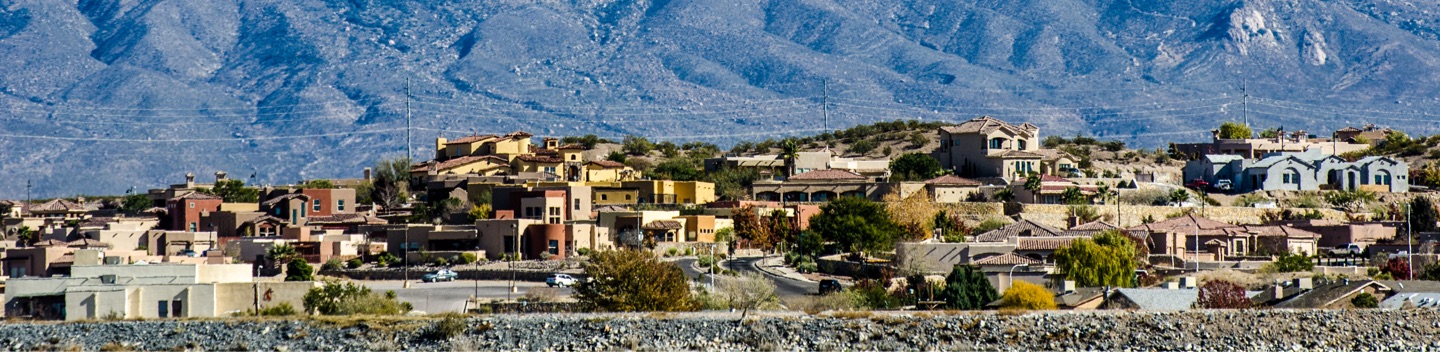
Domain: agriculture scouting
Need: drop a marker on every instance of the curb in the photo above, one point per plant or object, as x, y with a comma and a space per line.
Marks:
772, 272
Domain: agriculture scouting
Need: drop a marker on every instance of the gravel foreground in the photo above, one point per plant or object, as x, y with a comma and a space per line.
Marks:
1260, 330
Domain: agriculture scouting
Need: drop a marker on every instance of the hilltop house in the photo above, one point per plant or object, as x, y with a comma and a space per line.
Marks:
989, 147
1192, 236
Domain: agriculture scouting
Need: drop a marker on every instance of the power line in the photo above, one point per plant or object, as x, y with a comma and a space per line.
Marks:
191, 140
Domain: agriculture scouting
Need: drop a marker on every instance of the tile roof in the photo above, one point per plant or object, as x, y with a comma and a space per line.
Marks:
986, 124
607, 163
1090, 229
1052, 154
461, 161
662, 225
471, 139
50, 243
1016, 154
1159, 298
197, 195
540, 159
1022, 228
345, 218
1006, 259
952, 180
1188, 222
87, 243
57, 205
264, 219
1272, 231
828, 175
1042, 243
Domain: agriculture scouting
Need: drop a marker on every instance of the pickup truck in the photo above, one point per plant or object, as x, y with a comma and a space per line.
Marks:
1347, 250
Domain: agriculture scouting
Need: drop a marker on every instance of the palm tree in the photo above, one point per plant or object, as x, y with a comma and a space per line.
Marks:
1032, 183
789, 150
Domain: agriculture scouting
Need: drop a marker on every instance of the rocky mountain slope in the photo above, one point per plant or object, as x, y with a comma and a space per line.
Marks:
100, 95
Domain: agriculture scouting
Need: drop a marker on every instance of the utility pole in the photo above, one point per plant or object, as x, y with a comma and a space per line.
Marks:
1410, 239
409, 149
825, 102
1245, 105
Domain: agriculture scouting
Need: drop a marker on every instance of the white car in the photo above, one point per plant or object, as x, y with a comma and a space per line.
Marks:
562, 280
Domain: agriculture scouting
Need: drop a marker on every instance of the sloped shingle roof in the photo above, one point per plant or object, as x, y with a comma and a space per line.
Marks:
1159, 298
986, 124
952, 180
1006, 259
461, 161
1187, 222
1025, 228
662, 225
1042, 243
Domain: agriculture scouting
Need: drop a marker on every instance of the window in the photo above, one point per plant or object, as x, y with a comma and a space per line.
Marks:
177, 308
1285, 178
192, 205
1379, 180
627, 197
163, 309
550, 169
277, 212
340, 205
317, 205
577, 203
554, 220
1020, 144
997, 143
192, 227
554, 211
604, 197
554, 247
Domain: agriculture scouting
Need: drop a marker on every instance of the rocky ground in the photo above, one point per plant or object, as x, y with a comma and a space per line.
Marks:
1262, 330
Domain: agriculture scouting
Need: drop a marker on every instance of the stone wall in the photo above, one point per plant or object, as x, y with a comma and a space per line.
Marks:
1130, 215
1213, 330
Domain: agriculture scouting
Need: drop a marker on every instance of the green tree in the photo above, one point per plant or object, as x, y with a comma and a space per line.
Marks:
635, 145
136, 203
677, 169
1232, 130
914, 167
1365, 300
1270, 133
616, 156
233, 191
1027, 296
634, 281
967, 288
856, 224
1106, 260
789, 151
1290, 263
336, 298
732, 183
391, 182
299, 270
1074, 196
1032, 183
1005, 195
1179, 196
27, 236
1423, 215
668, 149
318, 184
281, 253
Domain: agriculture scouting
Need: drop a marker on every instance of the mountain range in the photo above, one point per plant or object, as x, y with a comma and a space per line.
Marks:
101, 96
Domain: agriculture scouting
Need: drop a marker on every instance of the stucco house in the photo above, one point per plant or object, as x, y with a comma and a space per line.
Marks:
1195, 237
1305, 171
148, 291
988, 147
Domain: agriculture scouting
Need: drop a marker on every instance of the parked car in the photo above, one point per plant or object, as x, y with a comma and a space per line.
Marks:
189, 253
1224, 186
440, 275
829, 286
1347, 250
1197, 184
562, 280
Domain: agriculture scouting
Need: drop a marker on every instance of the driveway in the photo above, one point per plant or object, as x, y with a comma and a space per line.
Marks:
438, 297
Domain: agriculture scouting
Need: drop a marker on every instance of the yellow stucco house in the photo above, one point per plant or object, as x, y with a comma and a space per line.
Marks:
486, 165
508, 146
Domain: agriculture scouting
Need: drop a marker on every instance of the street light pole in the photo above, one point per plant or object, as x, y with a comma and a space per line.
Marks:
1011, 276
515, 230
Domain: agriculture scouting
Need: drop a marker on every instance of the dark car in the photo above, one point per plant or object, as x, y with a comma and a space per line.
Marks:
829, 286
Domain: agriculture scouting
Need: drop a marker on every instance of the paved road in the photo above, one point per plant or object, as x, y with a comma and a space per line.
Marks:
783, 286
437, 297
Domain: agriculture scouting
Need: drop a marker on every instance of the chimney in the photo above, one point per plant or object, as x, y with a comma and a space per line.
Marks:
1068, 287
219, 176
367, 174
190, 180
1304, 283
